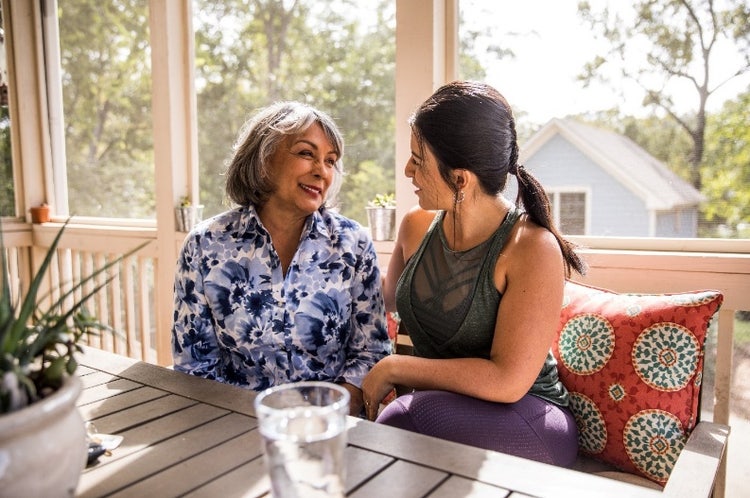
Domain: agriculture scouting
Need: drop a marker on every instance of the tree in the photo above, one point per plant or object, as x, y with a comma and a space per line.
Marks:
726, 168
672, 41
107, 106
249, 54
7, 190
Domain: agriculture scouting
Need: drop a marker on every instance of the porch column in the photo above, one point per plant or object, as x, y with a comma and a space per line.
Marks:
175, 145
426, 58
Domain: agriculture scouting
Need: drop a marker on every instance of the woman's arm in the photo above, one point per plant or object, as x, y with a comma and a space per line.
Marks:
194, 345
368, 340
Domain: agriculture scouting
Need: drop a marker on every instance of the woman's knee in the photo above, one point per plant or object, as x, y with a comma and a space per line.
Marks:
396, 414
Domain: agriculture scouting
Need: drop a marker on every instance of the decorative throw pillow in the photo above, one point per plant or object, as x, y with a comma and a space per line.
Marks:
633, 364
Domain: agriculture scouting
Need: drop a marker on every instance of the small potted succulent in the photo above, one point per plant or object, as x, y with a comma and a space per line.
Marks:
381, 215
40, 426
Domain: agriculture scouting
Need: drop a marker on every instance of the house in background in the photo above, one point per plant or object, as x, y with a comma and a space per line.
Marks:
603, 183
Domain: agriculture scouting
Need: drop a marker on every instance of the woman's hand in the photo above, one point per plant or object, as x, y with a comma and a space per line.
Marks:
377, 385
355, 399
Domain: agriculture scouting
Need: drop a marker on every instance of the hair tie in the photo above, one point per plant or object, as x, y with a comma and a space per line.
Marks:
513, 170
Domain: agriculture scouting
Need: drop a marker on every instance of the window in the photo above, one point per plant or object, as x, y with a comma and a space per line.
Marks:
106, 89
7, 189
337, 55
569, 211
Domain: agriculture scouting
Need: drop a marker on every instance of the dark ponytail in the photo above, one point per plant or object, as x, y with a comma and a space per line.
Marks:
536, 204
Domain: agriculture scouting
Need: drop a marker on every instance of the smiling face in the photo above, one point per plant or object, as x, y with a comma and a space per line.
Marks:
302, 170
422, 168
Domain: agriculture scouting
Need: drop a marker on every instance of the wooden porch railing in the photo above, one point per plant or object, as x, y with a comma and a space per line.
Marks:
127, 305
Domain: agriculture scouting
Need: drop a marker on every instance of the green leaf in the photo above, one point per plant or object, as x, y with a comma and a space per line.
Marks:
37, 344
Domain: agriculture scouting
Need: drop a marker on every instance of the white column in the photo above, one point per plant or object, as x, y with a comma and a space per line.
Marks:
426, 58
175, 144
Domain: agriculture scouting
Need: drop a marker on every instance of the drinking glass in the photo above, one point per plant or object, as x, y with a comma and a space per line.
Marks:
303, 425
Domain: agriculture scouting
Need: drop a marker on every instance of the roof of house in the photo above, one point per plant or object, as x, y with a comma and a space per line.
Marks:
640, 172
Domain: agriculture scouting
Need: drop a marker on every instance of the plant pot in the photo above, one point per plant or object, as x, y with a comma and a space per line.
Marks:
187, 217
382, 222
43, 447
40, 214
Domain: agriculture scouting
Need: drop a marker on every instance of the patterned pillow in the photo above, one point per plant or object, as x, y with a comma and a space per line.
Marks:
633, 365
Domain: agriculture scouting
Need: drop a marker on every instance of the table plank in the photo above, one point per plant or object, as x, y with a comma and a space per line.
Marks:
362, 464
489, 467
466, 488
154, 458
199, 469
249, 480
143, 436
103, 391
207, 391
401, 480
98, 409
141, 414
96, 378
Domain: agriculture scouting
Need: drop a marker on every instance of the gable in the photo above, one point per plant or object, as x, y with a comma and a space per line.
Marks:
629, 164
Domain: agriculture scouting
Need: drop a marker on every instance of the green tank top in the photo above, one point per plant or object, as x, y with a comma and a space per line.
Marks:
447, 301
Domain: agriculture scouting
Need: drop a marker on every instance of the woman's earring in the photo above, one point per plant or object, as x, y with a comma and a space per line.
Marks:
459, 197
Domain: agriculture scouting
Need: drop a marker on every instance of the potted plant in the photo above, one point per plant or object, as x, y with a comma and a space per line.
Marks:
42, 434
187, 214
381, 215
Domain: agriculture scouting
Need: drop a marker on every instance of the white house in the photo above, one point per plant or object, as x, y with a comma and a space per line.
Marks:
603, 183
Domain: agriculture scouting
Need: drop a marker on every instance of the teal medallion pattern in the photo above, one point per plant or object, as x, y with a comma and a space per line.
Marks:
586, 343
665, 356
653, 440
592, 431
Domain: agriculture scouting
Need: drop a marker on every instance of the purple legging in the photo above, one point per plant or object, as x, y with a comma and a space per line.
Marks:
530, 428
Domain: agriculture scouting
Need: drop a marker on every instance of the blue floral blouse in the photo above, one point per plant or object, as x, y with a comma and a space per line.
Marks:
238, 319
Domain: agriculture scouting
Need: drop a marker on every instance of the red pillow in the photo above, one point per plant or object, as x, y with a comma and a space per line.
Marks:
633, 365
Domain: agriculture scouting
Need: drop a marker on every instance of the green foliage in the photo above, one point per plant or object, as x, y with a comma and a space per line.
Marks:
7, 191
742, 327
667, 42
365, 184
106, 79
726, 167
37, 346
383, 201
662, 138
322, 53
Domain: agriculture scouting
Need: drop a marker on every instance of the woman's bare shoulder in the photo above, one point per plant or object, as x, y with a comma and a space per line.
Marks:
413, 228
533, 243
417, 217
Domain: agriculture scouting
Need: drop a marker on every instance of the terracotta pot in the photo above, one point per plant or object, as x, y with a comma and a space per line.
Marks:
40, 214
43, 447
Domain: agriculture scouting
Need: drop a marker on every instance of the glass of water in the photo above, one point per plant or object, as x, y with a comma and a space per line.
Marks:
303, 425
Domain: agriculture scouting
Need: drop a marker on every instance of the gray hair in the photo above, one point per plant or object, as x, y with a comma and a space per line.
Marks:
247, 177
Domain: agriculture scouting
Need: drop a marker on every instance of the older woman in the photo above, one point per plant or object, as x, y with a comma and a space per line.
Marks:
281, 289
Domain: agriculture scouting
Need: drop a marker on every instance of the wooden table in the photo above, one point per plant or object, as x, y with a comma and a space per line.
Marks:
187, 436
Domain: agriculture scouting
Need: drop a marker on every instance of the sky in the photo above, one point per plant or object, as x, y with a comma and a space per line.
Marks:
552, 45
